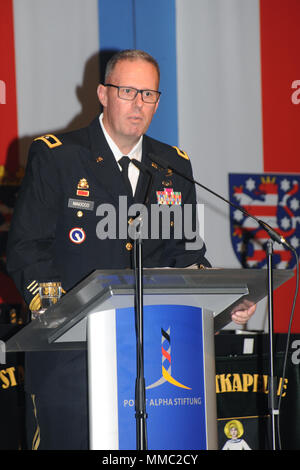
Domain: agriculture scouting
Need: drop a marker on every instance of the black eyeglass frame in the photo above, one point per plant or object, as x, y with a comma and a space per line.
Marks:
137, 91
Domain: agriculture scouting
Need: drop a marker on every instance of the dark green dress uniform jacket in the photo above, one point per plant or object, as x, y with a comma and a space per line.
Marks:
55, 236
42, 243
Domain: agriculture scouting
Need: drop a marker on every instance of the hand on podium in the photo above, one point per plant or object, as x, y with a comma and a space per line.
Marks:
242, 313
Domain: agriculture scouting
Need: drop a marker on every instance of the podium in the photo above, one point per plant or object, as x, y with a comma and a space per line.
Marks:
183, 308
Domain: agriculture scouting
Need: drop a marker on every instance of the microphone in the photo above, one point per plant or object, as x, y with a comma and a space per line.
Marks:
143, 168
271, 232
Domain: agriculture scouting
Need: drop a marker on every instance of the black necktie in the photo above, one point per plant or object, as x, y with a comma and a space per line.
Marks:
124, 162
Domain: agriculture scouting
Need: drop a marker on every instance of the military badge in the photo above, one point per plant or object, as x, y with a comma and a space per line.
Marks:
169, 197
77, 235
51, 140
83, 188
274, 199
181, 153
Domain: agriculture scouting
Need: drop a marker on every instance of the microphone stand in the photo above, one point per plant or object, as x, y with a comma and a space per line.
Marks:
140, 388
269, 251
273, 407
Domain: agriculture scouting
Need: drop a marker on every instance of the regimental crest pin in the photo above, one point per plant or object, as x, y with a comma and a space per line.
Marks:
83, 188
274, 199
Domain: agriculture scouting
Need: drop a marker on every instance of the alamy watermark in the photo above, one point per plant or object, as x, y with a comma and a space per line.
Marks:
157, 222
295, 97
295, 357
2, 352
2, 92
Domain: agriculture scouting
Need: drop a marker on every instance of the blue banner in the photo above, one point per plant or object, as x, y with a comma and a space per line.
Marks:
151, 26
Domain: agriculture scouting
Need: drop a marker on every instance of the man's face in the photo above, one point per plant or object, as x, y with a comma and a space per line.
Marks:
125, 121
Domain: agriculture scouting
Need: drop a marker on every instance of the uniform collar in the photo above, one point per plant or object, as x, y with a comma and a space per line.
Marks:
135, 152
105, 166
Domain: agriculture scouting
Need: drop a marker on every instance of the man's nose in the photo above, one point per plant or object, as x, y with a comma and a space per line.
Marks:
138, 101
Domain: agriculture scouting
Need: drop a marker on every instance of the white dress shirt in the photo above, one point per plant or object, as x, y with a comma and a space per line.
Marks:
135, 152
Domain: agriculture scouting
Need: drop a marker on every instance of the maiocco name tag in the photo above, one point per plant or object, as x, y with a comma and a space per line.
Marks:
79, 204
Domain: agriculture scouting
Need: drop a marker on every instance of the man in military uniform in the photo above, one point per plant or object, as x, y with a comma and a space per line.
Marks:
55, 233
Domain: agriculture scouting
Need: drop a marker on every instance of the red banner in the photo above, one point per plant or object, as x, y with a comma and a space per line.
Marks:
280, 77
8, 100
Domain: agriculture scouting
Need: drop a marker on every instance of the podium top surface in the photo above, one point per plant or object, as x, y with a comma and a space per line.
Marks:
219, 290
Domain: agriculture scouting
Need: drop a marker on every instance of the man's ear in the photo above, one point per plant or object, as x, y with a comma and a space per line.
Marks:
102, 94
156, 105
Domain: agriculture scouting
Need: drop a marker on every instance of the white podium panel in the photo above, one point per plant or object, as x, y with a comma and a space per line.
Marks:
102, 379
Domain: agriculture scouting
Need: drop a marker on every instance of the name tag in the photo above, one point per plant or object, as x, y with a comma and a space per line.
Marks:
78, 204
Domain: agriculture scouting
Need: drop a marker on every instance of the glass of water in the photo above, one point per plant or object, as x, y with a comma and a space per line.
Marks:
50, 293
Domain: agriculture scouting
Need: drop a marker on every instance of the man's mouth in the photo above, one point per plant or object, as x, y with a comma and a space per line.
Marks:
135, 118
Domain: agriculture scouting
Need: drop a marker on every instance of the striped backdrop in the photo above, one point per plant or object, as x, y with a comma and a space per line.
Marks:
230, 75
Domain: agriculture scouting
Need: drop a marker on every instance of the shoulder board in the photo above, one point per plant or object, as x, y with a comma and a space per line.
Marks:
50, 139
181, 153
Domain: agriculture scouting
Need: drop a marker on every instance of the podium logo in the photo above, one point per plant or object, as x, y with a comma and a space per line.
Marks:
166, 363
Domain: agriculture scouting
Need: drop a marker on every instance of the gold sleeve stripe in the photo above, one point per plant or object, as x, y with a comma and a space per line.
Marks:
33, 288
181, 153
33, 282
51, 140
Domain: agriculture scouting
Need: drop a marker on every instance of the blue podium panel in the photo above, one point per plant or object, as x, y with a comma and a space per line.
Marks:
174, 375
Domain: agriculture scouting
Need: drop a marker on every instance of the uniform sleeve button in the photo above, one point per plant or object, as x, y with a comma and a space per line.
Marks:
128, 246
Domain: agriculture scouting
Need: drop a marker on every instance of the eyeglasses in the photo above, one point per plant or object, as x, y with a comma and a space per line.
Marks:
130, 93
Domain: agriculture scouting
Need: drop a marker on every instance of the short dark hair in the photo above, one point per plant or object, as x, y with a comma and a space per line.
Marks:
129, 54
